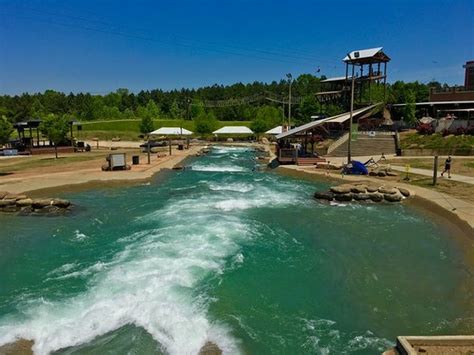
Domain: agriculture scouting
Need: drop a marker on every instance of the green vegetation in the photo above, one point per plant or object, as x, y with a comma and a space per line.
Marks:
205, 123
6, 129
55, 128
266, 118
438, 142
410, 108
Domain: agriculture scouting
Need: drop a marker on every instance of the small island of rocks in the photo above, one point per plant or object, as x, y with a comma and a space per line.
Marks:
22, 204
363, 192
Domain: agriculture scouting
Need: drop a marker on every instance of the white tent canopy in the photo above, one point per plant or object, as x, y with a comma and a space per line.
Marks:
276, 130
233, 130
171, 131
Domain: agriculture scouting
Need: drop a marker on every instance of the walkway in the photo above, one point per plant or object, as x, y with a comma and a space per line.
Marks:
426, 172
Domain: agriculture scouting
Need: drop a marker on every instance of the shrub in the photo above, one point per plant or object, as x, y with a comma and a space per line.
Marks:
425, 128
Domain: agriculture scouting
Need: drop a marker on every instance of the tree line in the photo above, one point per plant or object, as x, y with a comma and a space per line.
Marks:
193, 104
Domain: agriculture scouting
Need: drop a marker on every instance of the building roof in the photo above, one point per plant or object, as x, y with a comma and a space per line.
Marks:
171, 131
275, 130
233, 130
337, 78
367, 56
432, 103
334, 119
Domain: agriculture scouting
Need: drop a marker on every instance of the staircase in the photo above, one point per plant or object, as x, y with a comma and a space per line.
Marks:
366, 145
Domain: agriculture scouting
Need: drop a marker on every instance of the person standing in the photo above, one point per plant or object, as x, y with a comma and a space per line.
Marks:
447, 167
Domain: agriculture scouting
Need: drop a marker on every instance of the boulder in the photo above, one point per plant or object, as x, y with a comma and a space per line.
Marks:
372, 188
391, 173
15, 197
3, 194
61, 203
178, 167
404, 192
25, 211
387, 190
265, 141
5, 203
10, 208
359, 189
25, 202
324, 195
210, 348
341, 189
230, 140
392, 197
361, 197
376, 197
382, 174
41, 203
343, 197
373, 173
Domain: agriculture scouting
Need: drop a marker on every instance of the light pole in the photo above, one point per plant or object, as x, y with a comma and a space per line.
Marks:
351, 111
290, 81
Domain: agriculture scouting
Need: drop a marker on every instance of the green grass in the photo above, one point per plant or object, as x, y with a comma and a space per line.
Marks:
438, 142
134, 125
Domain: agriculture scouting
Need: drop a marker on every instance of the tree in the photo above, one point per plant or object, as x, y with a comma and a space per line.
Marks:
266, 118
205, 123
175, 111
410, 108
6, 129
146, 125
55, 128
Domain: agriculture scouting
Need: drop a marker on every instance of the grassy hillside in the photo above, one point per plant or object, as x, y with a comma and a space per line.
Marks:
130, 129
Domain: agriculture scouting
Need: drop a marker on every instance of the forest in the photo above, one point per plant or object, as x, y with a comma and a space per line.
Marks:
237, 102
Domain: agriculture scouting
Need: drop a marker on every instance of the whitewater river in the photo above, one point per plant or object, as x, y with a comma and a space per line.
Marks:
226, 253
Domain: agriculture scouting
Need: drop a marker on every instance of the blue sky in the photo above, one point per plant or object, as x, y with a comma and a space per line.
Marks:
99, 46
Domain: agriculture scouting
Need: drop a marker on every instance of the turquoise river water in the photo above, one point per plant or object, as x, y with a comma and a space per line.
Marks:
226, 253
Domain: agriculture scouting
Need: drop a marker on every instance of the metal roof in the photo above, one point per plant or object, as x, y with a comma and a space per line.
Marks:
432, 103
233, 130
275, 130
337, 78
171, 131
363, 53
334, 119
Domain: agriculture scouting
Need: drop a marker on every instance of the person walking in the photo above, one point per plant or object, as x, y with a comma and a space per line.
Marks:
447, 167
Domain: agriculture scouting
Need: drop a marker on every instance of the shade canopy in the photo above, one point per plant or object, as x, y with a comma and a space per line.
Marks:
171, 131
276, 130
233, 130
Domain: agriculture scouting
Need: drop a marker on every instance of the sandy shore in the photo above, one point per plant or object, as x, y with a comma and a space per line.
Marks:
89, 172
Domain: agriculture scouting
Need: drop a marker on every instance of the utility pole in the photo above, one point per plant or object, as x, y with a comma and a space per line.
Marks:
290, 80
350, 113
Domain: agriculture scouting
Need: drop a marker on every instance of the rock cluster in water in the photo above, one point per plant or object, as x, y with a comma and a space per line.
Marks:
24, 205
363, 192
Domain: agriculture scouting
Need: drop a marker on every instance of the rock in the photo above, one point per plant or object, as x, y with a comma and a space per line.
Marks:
265, 141
230, 140
324, 195
372, 188
61, 203
341, 189
10, 208
5, 203
373, 173
359, 189
404, 192
387, 190
393, 197
25, 211
210, 349
361, 197
41, 203
19, 347
105, 167
25, 202
382, 174
178, 167
376, 197
3, 194
343, 197
391, 173
15, 197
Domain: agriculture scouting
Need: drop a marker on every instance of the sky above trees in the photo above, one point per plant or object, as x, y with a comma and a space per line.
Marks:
99, 46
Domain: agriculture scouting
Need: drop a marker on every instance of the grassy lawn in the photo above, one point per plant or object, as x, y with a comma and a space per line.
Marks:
456, 189
130, 129
411, 140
